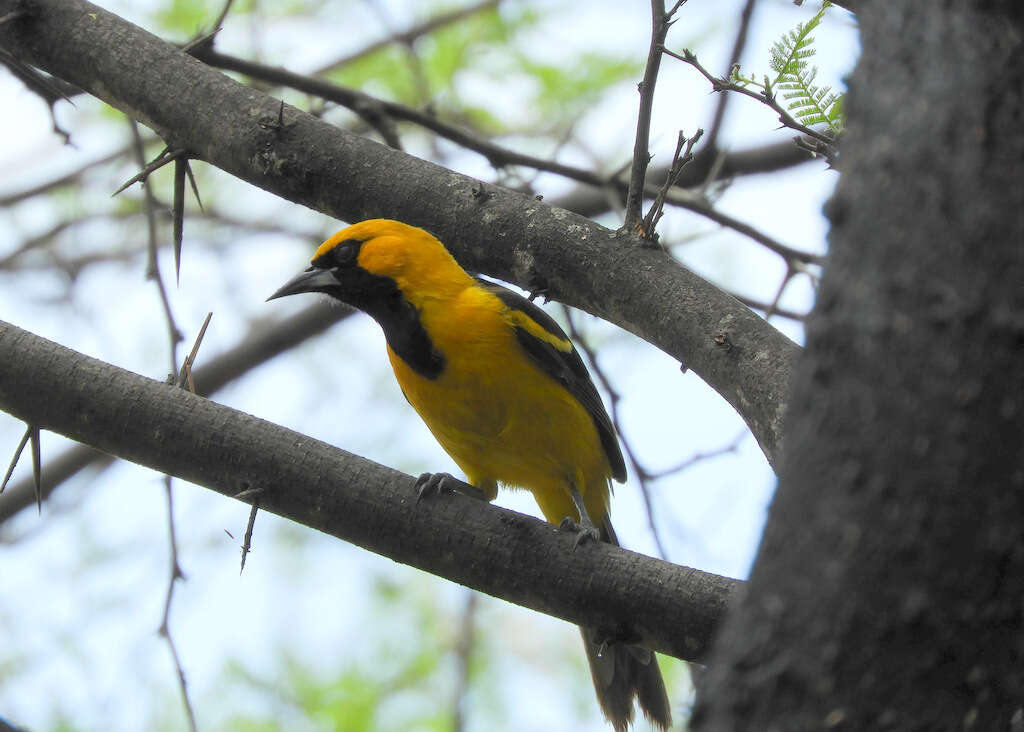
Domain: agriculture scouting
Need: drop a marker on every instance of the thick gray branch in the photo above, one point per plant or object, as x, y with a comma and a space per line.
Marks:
489, 229
260, 344
672, 609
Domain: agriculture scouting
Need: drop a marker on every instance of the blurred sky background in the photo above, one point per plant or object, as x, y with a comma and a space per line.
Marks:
312, 619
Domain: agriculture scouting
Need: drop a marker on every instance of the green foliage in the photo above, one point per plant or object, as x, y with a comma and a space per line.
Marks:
568, 88
415, 78
401, 681
185, 16
488, 46
794, 78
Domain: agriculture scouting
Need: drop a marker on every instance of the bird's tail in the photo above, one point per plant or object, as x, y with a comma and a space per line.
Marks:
622, 672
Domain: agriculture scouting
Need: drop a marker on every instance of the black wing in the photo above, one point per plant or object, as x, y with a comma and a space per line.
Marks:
565, 366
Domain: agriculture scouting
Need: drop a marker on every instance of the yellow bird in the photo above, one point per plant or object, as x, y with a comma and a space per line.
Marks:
502, 389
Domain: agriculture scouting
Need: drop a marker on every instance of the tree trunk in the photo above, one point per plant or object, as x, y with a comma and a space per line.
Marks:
889, 588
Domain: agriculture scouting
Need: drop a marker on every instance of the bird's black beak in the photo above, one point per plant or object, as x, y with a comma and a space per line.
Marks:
309, 280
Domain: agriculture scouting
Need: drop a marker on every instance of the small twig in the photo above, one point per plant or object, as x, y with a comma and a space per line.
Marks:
165, 627
66, 179
205, 39
185, 374
498, 156
683, 155
730, 447
818, 148
247, 540
222, 16
49, 89
765, 307
166, 156
660, 23
408, 36
765, 97
363, 104
737, 51
153, 272
697, 204
773, 306
152, 263
184, 379
463, 654
714, 174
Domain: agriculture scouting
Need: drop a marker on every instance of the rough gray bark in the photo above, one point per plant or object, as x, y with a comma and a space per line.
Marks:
258, 346
490, 229
669, 608
888, 590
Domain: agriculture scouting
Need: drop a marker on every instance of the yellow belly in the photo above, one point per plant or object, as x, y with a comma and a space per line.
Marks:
504, 420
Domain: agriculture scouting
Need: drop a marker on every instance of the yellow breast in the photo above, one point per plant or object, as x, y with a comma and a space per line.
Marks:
499, 415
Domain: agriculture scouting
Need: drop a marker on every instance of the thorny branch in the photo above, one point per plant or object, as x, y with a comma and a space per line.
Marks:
375, 111
820, 142
165, 621
660, 23
256, 347
183, 381
691, 203
683, 155
153, 264
175, 337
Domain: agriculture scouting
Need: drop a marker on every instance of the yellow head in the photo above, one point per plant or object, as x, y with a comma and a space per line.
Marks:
389, 270
414, 259
349, 264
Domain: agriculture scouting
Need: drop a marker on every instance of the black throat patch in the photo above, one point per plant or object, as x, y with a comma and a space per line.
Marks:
407, 337
380, 298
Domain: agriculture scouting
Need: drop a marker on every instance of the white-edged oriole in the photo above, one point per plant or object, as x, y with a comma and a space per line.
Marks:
502, 389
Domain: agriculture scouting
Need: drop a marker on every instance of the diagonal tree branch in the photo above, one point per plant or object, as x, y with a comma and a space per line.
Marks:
378, 113
588, 201
489, 229
259, 345
669, 608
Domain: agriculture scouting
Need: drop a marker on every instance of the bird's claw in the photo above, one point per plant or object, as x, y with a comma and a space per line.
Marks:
585, 531
429, 485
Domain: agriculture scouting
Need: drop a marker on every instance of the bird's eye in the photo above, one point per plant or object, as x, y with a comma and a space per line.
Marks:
345, 253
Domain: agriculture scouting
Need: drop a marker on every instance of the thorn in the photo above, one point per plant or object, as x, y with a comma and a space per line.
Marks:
16, 456
185, 375
165, 156
247, 541
192, 183
179, 215
37, 466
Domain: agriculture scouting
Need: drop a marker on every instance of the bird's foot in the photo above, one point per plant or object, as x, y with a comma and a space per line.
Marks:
429, 485
585, 531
